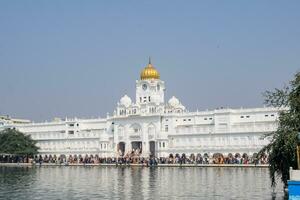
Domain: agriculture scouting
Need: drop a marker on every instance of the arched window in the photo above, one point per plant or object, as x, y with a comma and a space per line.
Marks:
135, 129
166, 128
121, 131
151, 129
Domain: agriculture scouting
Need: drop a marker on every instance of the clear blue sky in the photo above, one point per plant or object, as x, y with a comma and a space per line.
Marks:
77, 58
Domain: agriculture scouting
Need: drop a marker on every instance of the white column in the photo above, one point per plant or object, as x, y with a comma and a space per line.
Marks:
145, 141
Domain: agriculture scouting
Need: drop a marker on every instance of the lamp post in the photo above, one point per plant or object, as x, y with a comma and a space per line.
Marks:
298, 150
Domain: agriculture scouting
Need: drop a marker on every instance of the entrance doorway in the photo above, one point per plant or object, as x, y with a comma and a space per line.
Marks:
121, 148
152, 148
137, 147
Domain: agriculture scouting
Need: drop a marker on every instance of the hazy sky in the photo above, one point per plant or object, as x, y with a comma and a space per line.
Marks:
77, 58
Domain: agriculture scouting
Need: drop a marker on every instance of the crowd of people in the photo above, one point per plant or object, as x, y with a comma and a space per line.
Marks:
134, 157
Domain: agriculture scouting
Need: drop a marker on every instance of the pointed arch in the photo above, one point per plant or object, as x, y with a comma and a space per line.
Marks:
121, 130
151, 129
136, 129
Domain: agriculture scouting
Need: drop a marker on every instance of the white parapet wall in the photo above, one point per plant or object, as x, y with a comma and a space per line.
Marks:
294, 175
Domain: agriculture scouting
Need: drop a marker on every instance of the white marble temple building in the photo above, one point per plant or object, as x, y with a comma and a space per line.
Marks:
156, 127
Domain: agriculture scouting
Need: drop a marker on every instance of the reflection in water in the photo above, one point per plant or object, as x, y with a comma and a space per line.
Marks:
75, 182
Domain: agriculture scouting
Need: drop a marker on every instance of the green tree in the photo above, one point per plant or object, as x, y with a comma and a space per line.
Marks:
283, 144
17, 143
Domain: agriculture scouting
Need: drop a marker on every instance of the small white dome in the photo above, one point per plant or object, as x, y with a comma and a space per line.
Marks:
181, 106
125, 101
174, 102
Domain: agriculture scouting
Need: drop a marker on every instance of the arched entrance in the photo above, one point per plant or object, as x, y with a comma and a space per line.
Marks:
137, 146
152, 148
121, 148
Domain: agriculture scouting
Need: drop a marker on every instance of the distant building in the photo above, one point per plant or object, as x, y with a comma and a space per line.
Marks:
156, 127
8, 122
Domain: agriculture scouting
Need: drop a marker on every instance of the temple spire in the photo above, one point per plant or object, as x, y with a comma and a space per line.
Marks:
149, 60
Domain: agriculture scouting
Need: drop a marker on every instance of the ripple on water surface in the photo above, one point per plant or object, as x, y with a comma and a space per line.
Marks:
96, 182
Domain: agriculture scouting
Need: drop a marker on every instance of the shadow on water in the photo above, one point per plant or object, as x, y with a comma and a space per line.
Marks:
75, 182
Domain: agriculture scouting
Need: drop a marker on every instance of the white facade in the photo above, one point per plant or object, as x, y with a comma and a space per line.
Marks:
156, 127
8, 122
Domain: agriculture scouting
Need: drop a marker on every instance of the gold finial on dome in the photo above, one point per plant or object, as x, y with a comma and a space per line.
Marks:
149, 72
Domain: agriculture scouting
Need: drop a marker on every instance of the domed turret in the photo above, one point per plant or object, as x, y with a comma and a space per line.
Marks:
125, 101
149, 72
182, 107
174, 102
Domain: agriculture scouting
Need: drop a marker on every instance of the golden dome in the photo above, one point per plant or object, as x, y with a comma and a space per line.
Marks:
149, 72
